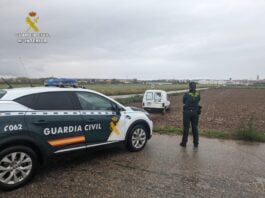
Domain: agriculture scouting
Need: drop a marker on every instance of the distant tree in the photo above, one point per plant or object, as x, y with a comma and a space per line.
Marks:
135, 80
114, 81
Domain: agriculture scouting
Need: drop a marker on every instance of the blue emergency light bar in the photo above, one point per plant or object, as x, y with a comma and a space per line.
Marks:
61, 82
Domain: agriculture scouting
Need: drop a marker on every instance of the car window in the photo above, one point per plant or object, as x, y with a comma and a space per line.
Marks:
27, 101
149, 96
91, 101
158, 96
2, 93
55, 101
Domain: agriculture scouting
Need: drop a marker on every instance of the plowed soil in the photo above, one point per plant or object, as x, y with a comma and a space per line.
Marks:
223, 109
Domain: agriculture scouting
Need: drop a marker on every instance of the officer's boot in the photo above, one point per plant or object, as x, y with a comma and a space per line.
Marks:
186, 126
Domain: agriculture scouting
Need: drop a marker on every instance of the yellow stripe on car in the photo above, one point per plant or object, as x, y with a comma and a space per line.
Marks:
66, 141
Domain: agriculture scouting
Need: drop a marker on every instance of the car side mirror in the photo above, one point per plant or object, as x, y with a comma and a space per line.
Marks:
117, 109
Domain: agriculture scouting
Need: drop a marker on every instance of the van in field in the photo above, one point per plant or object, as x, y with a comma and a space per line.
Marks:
156, 100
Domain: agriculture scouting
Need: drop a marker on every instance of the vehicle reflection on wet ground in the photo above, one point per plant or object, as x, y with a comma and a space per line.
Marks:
218, 168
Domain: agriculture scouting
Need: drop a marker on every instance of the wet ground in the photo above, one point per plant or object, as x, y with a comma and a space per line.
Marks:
218, 168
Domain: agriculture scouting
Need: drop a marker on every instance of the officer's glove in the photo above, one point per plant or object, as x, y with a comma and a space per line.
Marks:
199, 110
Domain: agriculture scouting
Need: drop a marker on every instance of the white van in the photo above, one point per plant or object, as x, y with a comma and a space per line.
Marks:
156, 100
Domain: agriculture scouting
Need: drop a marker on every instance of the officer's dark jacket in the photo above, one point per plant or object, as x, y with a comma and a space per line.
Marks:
191, 101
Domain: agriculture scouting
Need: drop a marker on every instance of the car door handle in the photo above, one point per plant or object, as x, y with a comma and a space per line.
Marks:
40, 122
91, 119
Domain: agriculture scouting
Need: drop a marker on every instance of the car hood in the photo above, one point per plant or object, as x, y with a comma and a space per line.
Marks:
137, 109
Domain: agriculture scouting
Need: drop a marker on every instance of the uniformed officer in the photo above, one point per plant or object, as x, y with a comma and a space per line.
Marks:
191, 111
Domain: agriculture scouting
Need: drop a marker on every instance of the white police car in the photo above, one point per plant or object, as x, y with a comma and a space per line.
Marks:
36, 123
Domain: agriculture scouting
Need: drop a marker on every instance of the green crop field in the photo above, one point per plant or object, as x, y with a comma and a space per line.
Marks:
119, 89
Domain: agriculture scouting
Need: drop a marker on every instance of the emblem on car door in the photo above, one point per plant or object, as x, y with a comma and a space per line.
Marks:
113, 125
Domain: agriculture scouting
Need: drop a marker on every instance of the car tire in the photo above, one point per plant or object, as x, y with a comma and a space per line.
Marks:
136, 138
18, 165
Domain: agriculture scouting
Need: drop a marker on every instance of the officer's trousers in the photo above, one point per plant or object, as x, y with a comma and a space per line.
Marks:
192, 117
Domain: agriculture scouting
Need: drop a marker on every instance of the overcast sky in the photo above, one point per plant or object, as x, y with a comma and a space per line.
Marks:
145, 39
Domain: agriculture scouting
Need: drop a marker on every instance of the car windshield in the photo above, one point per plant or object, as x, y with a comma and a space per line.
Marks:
2, 93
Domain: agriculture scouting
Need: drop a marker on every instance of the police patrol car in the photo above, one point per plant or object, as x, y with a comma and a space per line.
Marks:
36, 123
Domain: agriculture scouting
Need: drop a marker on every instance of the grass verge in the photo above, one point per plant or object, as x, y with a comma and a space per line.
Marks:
248, 131
250, 135
130, 100
243, 134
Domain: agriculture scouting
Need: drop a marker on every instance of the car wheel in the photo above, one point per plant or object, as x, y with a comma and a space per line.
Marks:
18, 165
137, 138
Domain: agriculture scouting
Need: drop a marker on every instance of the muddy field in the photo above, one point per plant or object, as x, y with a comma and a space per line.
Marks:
223, 109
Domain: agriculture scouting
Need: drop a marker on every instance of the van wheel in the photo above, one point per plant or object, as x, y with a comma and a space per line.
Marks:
147, 110
163, 111
137, 138
18, 165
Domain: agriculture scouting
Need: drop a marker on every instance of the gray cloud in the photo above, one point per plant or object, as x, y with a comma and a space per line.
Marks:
146, 39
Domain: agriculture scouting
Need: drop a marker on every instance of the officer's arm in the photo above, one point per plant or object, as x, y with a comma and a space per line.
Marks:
199, 97
184, 98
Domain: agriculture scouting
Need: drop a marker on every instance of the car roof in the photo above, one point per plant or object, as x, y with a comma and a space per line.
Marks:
12, 94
